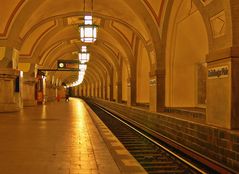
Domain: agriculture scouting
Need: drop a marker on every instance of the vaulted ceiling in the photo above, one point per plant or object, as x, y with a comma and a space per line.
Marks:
44, 31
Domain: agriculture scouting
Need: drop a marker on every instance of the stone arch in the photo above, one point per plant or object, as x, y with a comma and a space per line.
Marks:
185, 59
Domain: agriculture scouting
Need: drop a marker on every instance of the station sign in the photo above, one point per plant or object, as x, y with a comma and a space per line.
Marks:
68, 64
218, 72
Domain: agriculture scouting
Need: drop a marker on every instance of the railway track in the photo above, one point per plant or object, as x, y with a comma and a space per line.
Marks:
151, 154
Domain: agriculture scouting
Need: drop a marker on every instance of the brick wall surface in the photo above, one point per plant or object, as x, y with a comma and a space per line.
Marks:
218, 144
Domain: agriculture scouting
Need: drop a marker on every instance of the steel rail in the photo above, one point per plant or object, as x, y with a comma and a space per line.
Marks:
155, 142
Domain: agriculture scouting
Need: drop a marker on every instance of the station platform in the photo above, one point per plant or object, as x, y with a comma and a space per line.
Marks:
61, 137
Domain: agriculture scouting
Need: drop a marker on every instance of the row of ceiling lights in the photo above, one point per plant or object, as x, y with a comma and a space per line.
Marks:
88, 34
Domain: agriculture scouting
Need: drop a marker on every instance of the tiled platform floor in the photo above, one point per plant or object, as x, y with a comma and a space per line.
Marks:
60, 138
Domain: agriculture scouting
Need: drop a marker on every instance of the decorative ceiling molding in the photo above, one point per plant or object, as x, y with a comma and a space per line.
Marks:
46, 53
37, 40
122, 30
218, 24
206, 2
11, 18
156, 14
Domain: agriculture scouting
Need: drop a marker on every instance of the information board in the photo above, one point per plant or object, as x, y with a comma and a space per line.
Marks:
68, 64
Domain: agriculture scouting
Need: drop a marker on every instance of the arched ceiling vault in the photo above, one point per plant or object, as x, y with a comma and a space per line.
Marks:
67, 49
85, 82
69, 34
95, 72
102, 64
92, 76
44, 30
96, 65
99, 67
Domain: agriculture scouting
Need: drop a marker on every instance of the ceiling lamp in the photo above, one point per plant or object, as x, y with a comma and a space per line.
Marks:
82, 67
78, 81
88, 31
84, 56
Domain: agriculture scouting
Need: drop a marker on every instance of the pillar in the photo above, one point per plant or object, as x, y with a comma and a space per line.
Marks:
104, 90
223, 88
51, 92
99, 90
119, 92
131, 85
96, 90
10, 85
40, 90
92, 89
10, 80
111, 88
89, 91
76, 91
80, 91
61, 91
157, 91
9, 57
86, 91
29, 91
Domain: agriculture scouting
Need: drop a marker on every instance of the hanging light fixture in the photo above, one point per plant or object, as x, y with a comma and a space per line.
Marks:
88, 31
84, 56
78, 81
82, 67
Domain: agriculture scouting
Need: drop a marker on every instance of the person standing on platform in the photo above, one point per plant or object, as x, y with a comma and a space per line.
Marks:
67, 98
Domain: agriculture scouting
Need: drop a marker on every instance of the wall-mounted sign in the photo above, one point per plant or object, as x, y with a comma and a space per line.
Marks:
218, 72
152, 81
68, 64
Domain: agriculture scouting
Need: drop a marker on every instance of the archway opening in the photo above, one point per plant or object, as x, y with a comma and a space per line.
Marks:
187, 47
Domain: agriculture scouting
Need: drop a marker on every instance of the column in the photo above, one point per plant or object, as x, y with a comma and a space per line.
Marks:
92, 90
89, 90
9, 57
131, 100
50, 92
29, 91
40, 90
223, 88
100, 90
110, 86
10, 80
157, 91
119, 92
104, 92
81, 91
76, 91
96, 90
10, 99
85, 90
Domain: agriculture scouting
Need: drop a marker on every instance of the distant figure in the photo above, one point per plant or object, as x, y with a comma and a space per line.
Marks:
67, 98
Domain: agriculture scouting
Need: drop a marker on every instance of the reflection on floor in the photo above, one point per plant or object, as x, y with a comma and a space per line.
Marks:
55, 138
